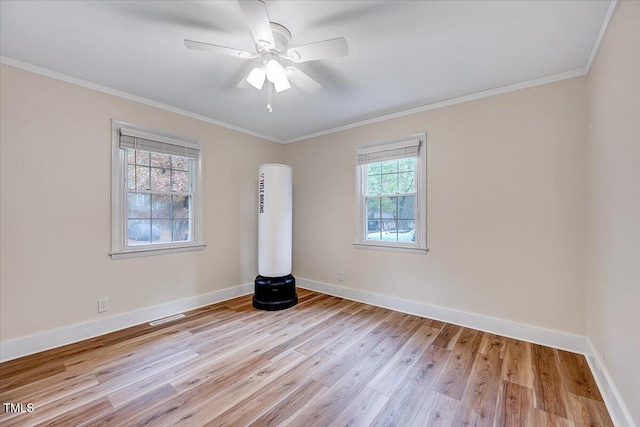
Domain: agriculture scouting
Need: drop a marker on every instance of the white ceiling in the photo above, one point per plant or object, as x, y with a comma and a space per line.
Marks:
402, 54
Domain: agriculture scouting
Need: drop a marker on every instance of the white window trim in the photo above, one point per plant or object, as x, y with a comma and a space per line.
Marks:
420, 245
118, 191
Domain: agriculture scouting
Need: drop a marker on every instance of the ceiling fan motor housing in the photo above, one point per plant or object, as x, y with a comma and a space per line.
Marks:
281, 37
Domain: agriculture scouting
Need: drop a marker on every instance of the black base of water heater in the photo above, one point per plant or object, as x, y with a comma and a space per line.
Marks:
275, 293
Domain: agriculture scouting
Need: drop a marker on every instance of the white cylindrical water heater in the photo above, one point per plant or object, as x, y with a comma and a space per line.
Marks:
274, 220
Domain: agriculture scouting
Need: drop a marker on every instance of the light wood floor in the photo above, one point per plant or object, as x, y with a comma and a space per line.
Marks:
327, 361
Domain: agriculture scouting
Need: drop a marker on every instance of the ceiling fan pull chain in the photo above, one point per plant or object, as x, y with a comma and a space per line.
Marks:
269, 97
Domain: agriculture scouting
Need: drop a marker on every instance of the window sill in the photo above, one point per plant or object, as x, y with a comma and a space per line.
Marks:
390, 248
135, 253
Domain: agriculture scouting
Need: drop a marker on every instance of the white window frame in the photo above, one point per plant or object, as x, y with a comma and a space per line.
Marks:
360, 236
119, 249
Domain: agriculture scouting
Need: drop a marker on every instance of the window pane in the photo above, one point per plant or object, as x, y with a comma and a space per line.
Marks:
406, 165
161, 179
142, 158
142, 178
161, 231
181, 230
406, 182
160, 206
373, 207
180, 181
131, 177
131, 156
161, 160
390, 167
406, 206
406, 231
406, 225
374, 169
373, 184
389, 183
181, 205
180, 163
138, 206
389, 208
139, 232
390, 235
373, 230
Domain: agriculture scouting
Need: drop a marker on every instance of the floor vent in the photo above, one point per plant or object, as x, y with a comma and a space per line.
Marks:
166, 319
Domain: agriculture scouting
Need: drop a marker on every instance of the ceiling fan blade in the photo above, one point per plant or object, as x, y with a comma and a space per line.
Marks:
302, 80
243, 84
208, 47
319, 50
255, 12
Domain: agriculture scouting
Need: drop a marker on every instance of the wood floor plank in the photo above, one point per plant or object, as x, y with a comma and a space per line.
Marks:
580, 381
588, 412
515, 406
547, 419
338, 367
53, 387
328, 406
373, 320
48, 396
43, 359
437, 410
80, 415
478, 402
291, 406
254, 405
549, 391
362, 410
493, 345
348, 322
20, 378
448, 336
326, 361
517, 367
390, 377
105, 386
193, 407
453, 378
404, 404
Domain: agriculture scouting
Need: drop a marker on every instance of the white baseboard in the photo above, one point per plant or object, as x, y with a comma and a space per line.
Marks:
19, 347
617, 410
534, 334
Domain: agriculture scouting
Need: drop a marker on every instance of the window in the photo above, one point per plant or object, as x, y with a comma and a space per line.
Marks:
391, 195
156, 192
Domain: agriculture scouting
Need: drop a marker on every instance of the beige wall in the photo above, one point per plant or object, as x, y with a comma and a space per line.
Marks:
55, 184
614, 202
506, 208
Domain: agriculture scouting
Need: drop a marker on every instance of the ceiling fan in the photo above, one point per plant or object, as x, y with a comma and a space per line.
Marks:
272, 46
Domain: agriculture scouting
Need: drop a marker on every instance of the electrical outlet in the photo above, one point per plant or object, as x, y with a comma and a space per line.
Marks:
103, 305
602, 348
341, 276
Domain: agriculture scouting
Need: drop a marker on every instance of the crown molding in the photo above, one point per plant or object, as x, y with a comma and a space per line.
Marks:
448, 102
121, 94
613, 6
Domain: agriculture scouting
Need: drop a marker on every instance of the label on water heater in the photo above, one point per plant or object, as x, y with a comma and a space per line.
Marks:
261, 192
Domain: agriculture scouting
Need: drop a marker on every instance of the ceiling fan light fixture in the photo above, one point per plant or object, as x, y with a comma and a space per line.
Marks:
256, 78
282, 85
277, 75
